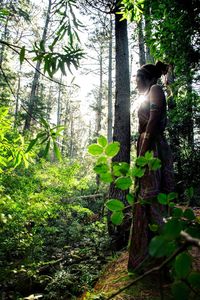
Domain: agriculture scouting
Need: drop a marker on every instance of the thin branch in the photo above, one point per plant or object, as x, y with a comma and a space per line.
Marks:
191, 240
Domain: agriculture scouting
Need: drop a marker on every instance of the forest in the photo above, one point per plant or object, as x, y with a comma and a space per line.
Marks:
69, 166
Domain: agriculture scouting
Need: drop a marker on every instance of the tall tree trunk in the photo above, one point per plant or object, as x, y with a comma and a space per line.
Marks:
99, 100
17, 97
142, 59
4, 38
121, 121
147, 26
32, 106
59, 104
110, 110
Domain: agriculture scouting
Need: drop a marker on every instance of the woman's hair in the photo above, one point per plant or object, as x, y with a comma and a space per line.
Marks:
150, 71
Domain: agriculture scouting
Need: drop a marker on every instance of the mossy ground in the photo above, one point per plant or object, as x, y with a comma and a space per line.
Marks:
115, 277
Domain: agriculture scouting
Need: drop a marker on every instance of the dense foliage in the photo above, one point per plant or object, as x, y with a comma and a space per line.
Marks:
171, 241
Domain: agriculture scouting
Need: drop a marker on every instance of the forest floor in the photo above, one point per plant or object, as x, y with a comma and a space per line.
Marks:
115, 277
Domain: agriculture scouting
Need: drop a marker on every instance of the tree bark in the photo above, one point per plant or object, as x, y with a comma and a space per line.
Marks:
121, 123
110, 110
142, 58
32, 106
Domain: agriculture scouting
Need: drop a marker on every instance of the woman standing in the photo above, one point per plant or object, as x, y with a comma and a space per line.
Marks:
152, 123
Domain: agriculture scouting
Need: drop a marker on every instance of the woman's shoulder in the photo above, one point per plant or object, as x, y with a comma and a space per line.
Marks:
156, 91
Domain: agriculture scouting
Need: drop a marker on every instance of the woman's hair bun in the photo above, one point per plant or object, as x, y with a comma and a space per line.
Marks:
161, 68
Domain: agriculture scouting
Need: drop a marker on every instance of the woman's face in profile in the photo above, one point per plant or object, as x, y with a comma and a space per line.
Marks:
141, 83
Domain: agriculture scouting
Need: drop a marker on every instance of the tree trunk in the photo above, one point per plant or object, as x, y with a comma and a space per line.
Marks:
110, 110
142, 59
147, 26
99, 99
121, 122
32, 106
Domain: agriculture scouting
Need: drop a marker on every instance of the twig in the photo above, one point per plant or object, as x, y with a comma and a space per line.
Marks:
191, 240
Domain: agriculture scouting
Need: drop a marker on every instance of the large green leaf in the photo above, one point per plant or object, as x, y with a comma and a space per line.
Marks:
130, 199
138, 172
123, 183
112, 149
162, 198
106, 177
115, 205
183, 264
154, 164
101, 168
95, 149
117, 217
194, 279
180, 291
189, 214
157, 246
141, 161
172, 228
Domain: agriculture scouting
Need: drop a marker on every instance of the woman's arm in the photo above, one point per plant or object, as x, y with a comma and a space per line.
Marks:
157, 102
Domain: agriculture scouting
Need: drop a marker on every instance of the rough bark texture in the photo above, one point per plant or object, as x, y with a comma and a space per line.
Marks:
121, 122
99, 100
34, 89
110, 110
142, 59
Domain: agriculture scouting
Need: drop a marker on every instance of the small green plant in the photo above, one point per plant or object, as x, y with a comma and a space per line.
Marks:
121, 173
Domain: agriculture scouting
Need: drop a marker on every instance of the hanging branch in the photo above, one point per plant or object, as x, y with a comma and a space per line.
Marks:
27, 60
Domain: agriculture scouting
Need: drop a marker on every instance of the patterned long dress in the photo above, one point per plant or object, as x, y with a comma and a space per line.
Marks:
151, 184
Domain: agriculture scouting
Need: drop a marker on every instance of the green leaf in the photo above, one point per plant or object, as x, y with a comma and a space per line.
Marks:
46, 150
57, 151
153, 227
102, 160
162, 198
106, 177
141, 161
115, 205
123, 183
102, 141
189, 214
130, 198
138, 172
154, 164
117, 217
31, 144
45, 123
157, 246
149, 155
194, 279
180, 291
22, 55
120, 169
183, 264
177, 212
189, 192
112, 149
172, 196
101, 168
95, 149
172, 228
